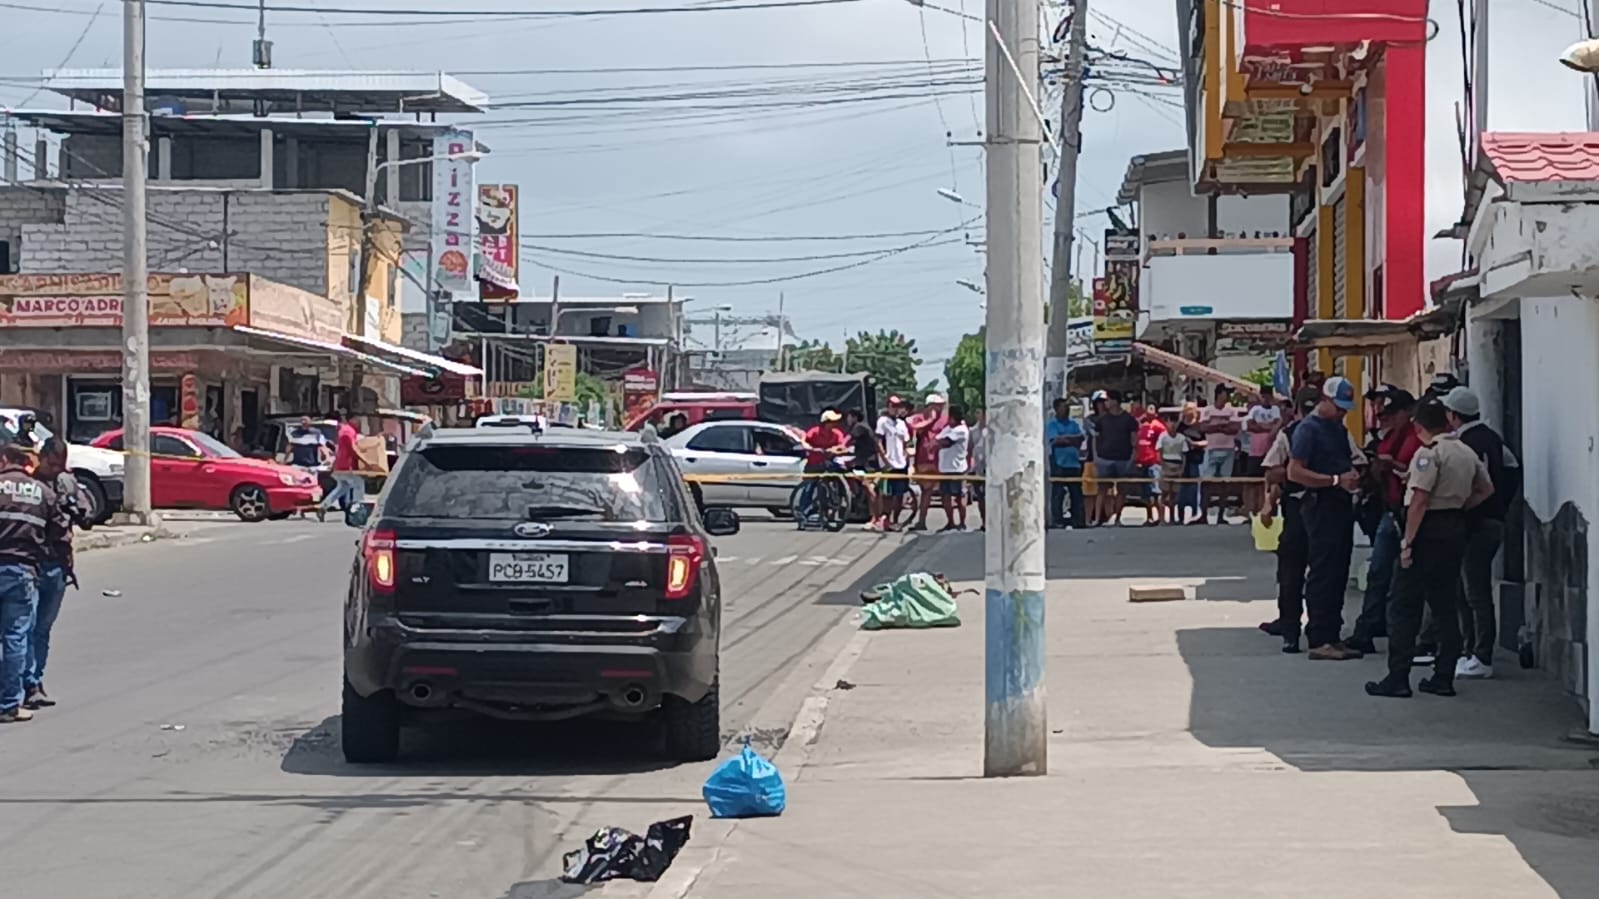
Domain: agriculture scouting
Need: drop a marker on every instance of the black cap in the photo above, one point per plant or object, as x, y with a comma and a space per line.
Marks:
1442, 383
1391, 399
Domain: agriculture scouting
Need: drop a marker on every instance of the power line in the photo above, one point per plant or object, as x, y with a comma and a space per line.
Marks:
492, 13
685, 260
602, 235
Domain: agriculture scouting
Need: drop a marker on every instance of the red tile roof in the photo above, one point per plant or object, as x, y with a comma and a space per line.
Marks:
1543, 156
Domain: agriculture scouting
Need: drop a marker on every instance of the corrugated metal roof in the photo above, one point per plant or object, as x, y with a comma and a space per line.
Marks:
1519, 157
310, 90
1152, 168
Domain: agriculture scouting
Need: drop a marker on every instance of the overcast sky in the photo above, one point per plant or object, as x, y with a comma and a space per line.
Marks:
838, 168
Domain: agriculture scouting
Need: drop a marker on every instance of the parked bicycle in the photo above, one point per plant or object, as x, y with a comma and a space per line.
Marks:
824, 501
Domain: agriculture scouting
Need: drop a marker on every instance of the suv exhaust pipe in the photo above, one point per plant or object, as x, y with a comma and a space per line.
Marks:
421, 691
633, 696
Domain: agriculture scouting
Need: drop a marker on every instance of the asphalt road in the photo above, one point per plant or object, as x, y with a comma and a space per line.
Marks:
195, 750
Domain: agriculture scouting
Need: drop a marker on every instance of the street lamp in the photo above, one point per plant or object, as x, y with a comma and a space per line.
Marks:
1583, 56
954, 197
970, 285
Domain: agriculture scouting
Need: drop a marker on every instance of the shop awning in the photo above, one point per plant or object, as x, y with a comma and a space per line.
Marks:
428, 359
1176, 363
1369, 334
307, 344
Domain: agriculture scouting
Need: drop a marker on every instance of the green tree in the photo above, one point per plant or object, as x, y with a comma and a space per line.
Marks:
588, 388
1076, 304
892, 360
811, 355
966, 372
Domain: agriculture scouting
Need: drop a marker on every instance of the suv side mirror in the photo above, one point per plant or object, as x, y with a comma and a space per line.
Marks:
720, 522
358, 515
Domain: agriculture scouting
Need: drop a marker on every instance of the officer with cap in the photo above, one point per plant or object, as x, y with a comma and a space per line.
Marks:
1322, 463
1446, 479
28, 509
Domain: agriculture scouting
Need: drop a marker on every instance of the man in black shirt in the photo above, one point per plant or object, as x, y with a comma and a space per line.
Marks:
868, 455
1115, 437
1485, 532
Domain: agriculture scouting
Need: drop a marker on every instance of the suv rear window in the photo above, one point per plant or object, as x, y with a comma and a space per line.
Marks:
519, 482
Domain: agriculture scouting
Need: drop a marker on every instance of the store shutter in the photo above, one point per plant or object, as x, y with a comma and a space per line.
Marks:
1312, 277
1340, 257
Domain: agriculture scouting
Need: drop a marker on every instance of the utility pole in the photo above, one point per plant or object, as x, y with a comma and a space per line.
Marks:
1070, 129
1015, 727
369, 219
135, 273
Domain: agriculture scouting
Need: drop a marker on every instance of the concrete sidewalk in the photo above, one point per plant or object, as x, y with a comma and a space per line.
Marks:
1189, 758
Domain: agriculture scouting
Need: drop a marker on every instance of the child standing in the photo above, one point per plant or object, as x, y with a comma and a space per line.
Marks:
1173, 447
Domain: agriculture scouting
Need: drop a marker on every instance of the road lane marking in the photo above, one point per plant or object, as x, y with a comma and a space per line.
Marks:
786, 560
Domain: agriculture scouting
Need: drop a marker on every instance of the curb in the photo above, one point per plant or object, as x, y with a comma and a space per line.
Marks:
88, 541
793, 755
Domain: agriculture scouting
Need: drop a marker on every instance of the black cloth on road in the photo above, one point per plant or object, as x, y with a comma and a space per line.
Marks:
614, 853
1329, 516
1432, 581
1293, 551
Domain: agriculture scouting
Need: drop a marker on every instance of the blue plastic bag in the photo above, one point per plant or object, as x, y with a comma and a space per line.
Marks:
745, 786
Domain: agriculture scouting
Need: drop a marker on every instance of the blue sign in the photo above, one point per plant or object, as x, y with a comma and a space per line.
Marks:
1197, 310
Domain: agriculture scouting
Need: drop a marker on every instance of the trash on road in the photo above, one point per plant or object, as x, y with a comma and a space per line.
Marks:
615, 853
111, 593
914, 600
172, 727
745, 786
1155, 593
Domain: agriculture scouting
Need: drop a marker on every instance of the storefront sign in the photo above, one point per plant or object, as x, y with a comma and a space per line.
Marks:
1116, 306
1121, 246
447, 388
497, 237
1080, 340
641, 387
69, 362
1260, 330
560, 372
452, 243
290, 310
95, 301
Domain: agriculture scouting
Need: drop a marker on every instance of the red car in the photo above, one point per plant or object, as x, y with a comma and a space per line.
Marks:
193, 470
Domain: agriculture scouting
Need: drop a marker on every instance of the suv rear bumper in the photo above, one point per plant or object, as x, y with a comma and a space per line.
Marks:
531, 675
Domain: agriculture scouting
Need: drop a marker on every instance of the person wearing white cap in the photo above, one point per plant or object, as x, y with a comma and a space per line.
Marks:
1485, 532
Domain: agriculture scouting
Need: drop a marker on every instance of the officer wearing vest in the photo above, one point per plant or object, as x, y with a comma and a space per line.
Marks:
1445, 479
27, 510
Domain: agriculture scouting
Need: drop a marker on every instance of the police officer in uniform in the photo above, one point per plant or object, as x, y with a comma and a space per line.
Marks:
27, 510
1445, 479
1321, 462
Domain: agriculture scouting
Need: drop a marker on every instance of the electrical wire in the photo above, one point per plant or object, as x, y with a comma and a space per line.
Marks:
71, 52
687, 260
754, 282
493, 13
768, 238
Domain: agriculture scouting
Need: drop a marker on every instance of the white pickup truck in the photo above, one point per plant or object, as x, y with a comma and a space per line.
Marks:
98, 470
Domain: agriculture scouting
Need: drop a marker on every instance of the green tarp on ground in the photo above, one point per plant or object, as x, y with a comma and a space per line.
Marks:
912, 601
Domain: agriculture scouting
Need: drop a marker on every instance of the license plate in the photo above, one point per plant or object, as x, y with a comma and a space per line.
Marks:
528, 568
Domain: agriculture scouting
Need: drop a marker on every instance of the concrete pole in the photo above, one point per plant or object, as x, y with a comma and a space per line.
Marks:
1015, 727
135, 273
1070, 129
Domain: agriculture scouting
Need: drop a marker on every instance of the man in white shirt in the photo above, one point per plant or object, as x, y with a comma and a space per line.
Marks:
894, 436
953, 452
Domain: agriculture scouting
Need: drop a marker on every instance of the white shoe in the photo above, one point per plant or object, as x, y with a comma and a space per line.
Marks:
1472, 667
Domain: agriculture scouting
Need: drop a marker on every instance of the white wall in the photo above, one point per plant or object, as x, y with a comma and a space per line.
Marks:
1246, 215
1234, 286
1559, 430
1169, 208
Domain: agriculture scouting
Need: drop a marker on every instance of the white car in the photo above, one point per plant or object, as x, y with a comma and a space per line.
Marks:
100, 471
766, 462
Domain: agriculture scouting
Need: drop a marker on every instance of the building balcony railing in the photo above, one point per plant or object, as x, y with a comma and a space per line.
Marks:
1222, 246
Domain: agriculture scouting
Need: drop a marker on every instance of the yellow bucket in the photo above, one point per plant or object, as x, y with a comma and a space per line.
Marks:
1266, 535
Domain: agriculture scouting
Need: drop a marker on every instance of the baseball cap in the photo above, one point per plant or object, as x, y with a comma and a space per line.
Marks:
896, 400
1391, 399
1340, 391
1099, 395
830, 415
1463, 401
935, 399
1442, 383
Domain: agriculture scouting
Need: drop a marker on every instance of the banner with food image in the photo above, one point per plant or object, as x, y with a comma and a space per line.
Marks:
95, 300
451, 241
497, 236
1116, 305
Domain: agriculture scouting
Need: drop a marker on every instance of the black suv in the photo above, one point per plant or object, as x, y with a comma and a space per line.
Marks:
532, 575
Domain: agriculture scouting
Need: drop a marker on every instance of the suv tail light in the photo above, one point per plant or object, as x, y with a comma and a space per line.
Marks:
684, 556
378, 548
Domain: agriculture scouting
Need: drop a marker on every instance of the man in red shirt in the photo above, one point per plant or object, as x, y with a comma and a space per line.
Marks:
1399, 442
348, 485
1146, 456
822, 442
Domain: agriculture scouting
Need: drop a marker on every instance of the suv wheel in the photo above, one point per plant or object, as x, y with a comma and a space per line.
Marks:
371, 727
693, 729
